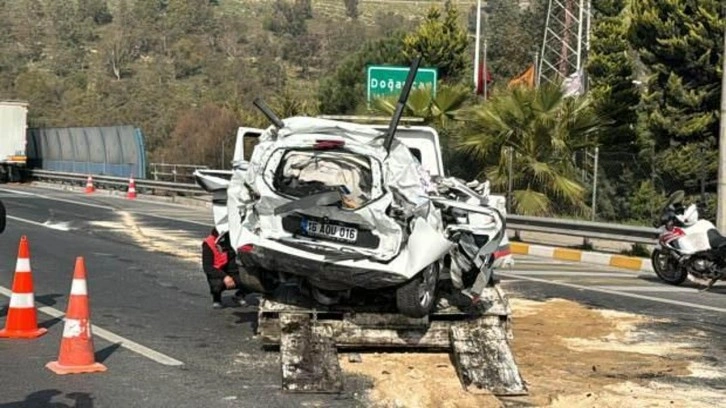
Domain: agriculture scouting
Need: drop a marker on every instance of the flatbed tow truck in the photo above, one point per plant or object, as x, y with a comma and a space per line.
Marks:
476, 330
309, 336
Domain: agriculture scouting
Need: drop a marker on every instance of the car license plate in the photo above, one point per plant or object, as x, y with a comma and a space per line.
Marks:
331, 231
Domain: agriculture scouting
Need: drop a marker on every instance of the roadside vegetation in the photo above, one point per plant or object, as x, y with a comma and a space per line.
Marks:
186, 72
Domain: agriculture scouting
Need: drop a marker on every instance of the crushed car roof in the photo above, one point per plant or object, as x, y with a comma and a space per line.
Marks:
308, 125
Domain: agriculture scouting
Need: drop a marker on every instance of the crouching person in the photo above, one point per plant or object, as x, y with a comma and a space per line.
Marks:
218, 262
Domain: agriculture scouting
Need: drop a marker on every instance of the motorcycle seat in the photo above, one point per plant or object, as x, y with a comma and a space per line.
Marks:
715, 239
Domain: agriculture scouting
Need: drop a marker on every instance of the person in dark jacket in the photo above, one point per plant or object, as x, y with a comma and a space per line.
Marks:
218, 262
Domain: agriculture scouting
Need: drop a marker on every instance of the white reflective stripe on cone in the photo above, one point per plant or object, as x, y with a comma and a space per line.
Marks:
22, 300
78, 287
23, 265
76, 327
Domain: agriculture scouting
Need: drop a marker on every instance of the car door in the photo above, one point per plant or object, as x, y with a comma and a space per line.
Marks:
216, 182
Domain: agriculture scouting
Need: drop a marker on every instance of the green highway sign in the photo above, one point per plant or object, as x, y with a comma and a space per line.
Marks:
385, 80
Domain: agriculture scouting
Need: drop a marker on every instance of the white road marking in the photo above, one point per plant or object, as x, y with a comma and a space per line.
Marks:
140, 198
104, 207
111, 337
617, 293
660, 289
566, 273
62, 226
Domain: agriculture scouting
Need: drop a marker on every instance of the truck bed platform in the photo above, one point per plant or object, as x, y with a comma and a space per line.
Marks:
309, 338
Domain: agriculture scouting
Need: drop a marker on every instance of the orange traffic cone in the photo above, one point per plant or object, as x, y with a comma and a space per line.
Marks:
22, 321
89, 185
132, 188
76, 349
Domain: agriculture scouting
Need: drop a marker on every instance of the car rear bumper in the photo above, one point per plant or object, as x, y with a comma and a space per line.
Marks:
338, 270
327, 274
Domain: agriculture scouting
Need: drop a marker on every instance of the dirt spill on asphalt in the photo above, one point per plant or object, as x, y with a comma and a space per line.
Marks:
182, 245
569, 356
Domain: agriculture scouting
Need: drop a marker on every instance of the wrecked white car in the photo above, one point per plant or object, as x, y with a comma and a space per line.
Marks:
336, 207
324, 202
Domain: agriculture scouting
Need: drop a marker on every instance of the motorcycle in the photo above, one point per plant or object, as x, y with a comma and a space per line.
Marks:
687, 245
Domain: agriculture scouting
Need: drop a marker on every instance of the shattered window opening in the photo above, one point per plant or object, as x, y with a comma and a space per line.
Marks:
302, 173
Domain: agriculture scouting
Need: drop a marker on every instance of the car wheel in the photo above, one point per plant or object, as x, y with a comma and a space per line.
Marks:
667, 268
417, 297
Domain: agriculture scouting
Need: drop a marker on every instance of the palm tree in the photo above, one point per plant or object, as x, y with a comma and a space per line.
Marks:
543, 129
439, 110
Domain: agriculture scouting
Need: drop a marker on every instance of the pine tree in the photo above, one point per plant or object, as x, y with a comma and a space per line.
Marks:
344, 91
510, 47
611, 74
441, 40
680, 42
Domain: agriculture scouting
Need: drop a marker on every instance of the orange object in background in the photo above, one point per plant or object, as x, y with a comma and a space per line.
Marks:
131, 194
89, 185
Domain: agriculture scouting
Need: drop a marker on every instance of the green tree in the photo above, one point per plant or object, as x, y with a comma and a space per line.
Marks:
189, 16
611, 72
286, 19
390, 22
345, 90
96, 10
441, 40
199, 135
611, 75
304, 7
303, 51
438, 111
544, 130
510, 47
679, 41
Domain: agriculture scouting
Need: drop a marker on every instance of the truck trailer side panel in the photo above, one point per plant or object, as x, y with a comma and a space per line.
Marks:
13, 124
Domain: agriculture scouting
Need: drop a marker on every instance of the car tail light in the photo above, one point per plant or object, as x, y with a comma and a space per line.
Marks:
328, 144
246, 248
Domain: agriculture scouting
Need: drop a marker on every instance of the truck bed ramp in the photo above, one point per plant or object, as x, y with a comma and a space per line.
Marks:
310, 337
309, 360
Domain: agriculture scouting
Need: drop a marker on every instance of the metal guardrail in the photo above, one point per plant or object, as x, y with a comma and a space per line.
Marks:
120, 183
584, 229
576, 228
174, 172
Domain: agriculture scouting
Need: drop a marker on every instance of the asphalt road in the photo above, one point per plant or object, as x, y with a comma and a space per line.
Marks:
148, 297
175, 350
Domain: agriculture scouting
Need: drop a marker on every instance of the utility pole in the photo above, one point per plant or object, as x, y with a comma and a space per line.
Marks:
594, 184
476, 46
486, 71
721, 208
510, 176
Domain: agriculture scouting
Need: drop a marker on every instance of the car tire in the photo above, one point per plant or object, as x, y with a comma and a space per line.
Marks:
417, 297
667, 270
